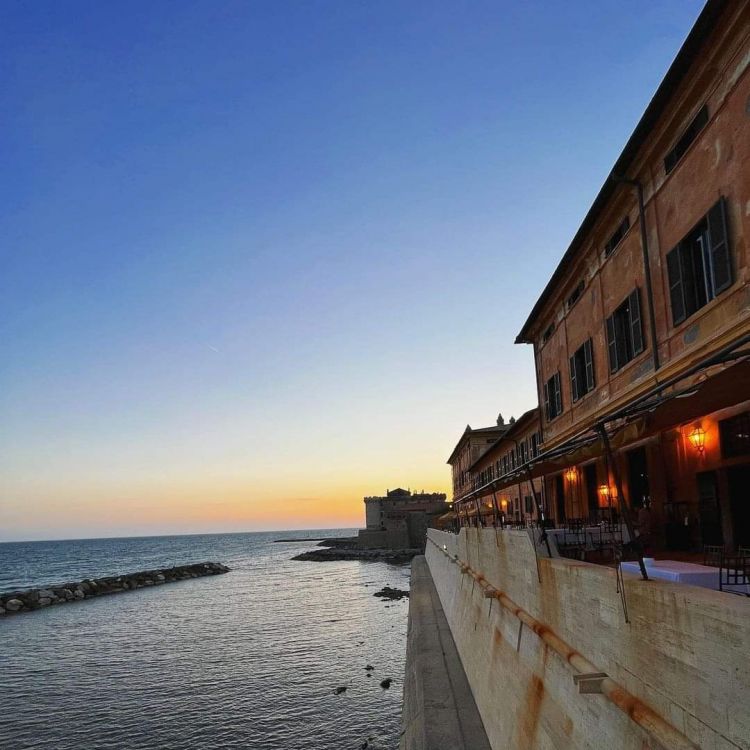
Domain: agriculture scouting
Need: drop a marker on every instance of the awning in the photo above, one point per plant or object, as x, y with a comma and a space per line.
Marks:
449, 516
685, 404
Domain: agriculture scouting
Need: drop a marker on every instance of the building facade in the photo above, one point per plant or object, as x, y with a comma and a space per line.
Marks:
470, 446
514, 503
651, 302
641, 337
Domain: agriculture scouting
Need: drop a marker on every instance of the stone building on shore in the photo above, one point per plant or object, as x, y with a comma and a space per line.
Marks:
400, 519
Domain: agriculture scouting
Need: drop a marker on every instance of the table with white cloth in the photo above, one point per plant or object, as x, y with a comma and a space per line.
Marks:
704, 576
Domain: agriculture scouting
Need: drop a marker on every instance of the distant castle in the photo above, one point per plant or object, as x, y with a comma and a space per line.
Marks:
400, 519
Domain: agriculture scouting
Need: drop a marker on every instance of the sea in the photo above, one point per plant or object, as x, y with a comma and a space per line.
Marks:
250, 659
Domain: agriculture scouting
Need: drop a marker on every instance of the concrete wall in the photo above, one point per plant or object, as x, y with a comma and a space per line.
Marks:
685, 652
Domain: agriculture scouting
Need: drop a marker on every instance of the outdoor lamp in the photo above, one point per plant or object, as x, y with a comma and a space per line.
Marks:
697, 439
604, 490
571, 474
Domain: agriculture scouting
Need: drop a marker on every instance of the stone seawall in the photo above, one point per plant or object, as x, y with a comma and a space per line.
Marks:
13, 602
681, 651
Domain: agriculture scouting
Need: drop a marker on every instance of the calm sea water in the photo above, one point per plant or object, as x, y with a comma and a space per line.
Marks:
250, 659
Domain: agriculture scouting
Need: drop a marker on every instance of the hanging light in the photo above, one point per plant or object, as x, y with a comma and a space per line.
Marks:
604, 490
697, 439
571, 474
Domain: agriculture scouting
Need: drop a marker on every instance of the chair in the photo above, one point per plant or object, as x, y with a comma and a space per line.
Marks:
713, 554
573, 541
734, 571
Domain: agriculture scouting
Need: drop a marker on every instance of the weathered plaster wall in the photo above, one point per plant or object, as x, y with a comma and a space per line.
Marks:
686, 651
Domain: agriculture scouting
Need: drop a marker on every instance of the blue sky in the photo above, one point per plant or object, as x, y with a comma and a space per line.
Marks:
277, 253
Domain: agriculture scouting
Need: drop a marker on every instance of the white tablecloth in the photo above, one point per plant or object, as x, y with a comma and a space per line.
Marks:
682, 572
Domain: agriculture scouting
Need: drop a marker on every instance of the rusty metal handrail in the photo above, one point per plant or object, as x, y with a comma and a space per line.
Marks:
642, 714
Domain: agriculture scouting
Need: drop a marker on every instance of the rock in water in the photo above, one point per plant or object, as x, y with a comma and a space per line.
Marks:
388, 593
386, 683
340, 689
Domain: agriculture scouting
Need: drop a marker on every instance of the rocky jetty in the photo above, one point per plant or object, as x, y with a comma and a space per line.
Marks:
23, 601
328, 554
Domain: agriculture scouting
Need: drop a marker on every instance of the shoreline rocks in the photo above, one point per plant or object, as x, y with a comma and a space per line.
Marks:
12, 602
393, 594
329, 554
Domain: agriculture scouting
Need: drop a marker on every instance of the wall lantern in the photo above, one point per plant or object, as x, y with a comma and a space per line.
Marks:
504, 504
604, 490
697, 439
571, 474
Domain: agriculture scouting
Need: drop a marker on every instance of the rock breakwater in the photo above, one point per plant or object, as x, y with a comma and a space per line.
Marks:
13, 602
327, 554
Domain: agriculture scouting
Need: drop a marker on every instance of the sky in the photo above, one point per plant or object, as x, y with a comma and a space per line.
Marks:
261, 259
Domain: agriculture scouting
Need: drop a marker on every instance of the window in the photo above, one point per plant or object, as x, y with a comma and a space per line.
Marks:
548, 332
616, 238
700, 266
528, 504
735, 435
575, 295
683, 144
624, 332
582, 370
535, 443
553, 397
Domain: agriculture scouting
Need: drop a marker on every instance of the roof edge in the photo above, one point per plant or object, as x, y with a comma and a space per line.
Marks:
686, 55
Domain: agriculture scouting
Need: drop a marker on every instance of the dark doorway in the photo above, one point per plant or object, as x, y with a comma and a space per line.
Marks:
739, 504
560, 499
709, 512
592, 490
638, 478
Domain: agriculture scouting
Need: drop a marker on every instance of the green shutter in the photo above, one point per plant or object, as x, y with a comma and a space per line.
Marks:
573, 380
636, 330
612, 344
721, 262
588, 360
676, 285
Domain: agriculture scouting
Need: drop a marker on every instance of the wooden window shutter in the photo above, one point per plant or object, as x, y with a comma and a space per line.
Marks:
546, 401
573, 380
588, 359
676, 285
558, 394
634, 304
721, 262
612, 344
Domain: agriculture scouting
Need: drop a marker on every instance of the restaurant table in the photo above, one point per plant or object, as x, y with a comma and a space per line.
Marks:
683, 572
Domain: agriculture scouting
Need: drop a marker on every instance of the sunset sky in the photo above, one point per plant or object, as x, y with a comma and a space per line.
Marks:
260, 259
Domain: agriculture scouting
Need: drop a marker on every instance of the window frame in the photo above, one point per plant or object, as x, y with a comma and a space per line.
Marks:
582, 373
681, 260
553, 397
625, 339
686, 139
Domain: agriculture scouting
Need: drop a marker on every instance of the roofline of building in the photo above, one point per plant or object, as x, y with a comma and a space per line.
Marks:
688, 53
519, 424
468, 432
